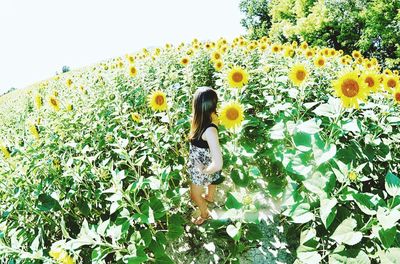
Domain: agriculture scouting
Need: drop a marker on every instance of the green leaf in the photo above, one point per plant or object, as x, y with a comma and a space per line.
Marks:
307, 251
325, 155
352, 126
140, 257
232, 202
164, 259
146, 235
331, 109
388, 236
350, 256
84, 207
302, 141
316, 183
234, 231
392, 184
328, 211
253, 232
175, 231
176, 219
239, 178
300, 164
368, 203
301, 214
390, 256
47, 203
311, 126
278, 131
345, 233
100, 253
388, 217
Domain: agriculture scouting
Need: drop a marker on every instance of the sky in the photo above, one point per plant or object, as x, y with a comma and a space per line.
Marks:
39, 37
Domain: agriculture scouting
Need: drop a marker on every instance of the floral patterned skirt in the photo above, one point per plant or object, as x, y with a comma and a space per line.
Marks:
202, 156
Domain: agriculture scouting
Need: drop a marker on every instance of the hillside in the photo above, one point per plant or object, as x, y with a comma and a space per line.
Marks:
93, 165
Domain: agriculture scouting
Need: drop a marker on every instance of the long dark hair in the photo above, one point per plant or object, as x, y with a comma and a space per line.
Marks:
204, 103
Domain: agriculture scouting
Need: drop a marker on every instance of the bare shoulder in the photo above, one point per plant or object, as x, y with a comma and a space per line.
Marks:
210, 133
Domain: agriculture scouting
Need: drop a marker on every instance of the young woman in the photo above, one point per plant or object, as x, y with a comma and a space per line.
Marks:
205, 155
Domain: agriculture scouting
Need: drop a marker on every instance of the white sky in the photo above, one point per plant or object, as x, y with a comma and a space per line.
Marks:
38, 37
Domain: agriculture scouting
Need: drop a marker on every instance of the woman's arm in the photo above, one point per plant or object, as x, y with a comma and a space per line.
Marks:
211, 135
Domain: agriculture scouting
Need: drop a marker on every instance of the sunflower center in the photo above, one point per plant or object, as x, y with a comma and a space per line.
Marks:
391, 83
232, 114
397, 97
350, 88
237, 77
370, 81
300, 75
185, 61
159, 100
133, 70
321, 62
53, 101
217, 56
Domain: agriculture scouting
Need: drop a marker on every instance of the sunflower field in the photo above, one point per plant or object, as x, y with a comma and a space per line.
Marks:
93, 161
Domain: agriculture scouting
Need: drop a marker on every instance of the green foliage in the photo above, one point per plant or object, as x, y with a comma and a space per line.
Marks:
371, 26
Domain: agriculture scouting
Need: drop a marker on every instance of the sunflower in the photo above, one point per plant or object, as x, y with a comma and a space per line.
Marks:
352, 176
372, 80
396, 95
320, 62
231, 114
70, 107
332, 52
215, 56
304, 45
218, 65
190, 52
135, 117
289, 52
325, 52
350, 88
158, 101
131, 59
185, 61
237, 77
298, 74
374, 61
215, 118
132, 71
54, 103
356, 54
343, 60
309, 53
68, 82
367, 64
5, 150
263, 47
390, 82
223, 49
61, 256
275, 48
38, 101
34, 130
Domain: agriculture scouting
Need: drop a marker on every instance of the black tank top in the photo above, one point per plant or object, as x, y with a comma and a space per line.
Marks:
200, 142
